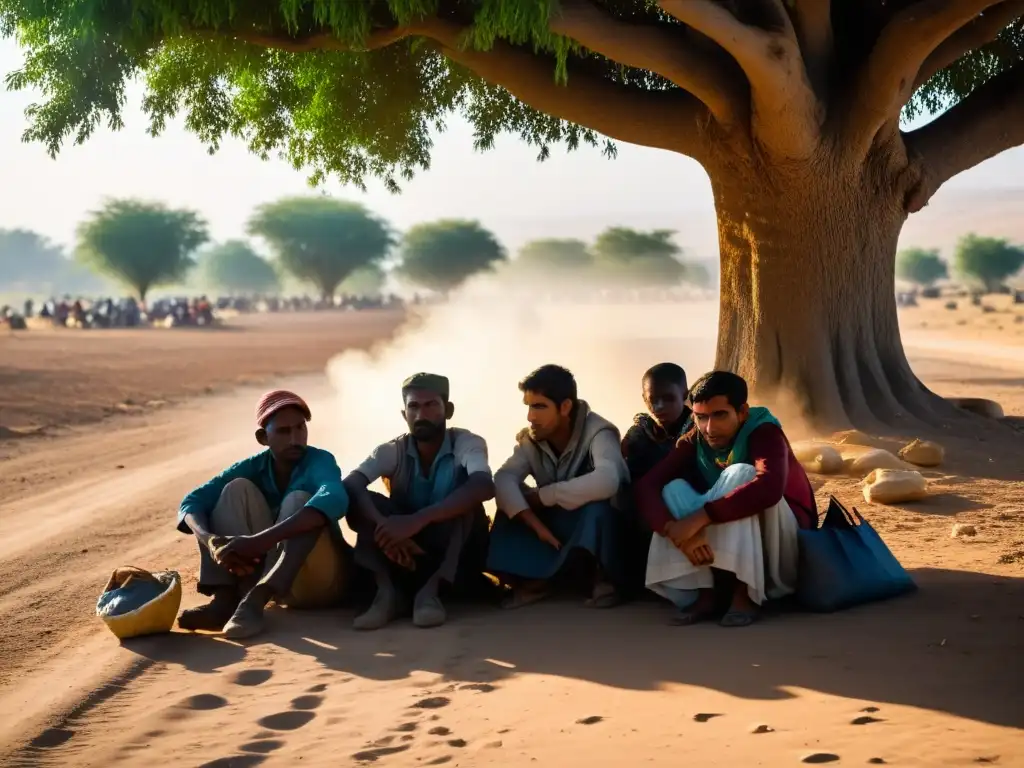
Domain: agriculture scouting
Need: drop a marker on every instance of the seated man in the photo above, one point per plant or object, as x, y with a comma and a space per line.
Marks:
654, 434
733, 494
651, 438
267, 526
573, 456
433, 521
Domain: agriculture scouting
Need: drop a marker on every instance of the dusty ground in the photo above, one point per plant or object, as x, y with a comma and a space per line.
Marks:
933, 679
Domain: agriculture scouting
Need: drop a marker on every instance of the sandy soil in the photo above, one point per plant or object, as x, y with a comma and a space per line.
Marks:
933, 679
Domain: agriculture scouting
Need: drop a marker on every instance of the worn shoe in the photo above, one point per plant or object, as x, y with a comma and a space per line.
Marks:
429, 612
214, 615
246, 621
381, 612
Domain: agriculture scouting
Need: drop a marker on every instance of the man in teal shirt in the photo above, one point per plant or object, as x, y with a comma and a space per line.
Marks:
267, 526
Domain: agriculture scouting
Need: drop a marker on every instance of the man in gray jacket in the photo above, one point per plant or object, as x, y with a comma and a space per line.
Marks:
575, 460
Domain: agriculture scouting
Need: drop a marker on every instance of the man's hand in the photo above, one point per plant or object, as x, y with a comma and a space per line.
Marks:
698, 551
404, 554
679, 532
544, 534
239, 554
397, 528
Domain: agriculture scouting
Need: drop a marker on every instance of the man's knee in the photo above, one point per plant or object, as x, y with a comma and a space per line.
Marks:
239, 489
738, 474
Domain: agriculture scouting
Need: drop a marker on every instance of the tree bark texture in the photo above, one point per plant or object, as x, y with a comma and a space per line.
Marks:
807, 305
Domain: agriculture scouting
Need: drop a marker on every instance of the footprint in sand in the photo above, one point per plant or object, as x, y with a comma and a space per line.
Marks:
870, 709
440, 760
407, 737
407, 727
251, 677
481, 687
318, 688
235, 761
762, 729
286, 721
262, 746
460, 743
876, 761
372, 755
439, 731
434, 702
592, 720
820, 757
307, 702
52, 737
866, 720
703, 717
203, 701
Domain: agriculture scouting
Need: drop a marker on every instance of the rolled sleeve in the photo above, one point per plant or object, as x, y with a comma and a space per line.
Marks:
323, 480
200, 501
471, 453
508, 482
383, 462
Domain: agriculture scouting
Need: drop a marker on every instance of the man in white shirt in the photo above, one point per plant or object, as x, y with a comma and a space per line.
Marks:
432, 526
575, 459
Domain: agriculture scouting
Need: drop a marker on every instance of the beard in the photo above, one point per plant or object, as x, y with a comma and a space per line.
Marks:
427, 430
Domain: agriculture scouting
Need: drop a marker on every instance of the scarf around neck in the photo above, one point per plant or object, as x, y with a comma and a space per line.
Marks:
712, 462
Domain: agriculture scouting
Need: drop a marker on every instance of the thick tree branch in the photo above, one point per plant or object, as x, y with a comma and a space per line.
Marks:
886, 82
986, 123
785, 113
813, 22
662, 119
980, 32
712, 79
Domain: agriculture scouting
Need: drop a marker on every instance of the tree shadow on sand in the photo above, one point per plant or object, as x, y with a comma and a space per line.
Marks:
950, 647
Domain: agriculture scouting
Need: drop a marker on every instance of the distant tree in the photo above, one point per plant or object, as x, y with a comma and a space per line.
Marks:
28, 257
568, 255
987, 260
140, 244
235, 266
322, 240
920, 266
442, 255
644, 258
365, 281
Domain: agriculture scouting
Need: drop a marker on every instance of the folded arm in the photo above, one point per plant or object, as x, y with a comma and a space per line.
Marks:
648, 489
194, 511
508, 483
769, 453
471, 455
600, 484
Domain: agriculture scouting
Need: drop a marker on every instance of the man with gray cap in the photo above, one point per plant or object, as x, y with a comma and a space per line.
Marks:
431, 528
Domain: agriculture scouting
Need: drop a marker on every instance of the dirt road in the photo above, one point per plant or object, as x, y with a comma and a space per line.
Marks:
928, 680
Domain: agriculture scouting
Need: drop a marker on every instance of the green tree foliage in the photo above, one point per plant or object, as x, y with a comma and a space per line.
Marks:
554, 255
140, 244
321, 240
27, 256
987, 260
234, 266
442, 255
920, 266
643, 258
365, 281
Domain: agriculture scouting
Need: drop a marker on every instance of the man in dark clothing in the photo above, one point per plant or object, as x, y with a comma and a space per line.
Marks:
654, 434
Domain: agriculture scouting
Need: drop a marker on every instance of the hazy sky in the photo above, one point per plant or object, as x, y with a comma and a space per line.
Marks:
575, 194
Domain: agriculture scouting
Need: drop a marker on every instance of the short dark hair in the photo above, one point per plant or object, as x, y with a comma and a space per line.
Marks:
554, 382
666, 373
720, 384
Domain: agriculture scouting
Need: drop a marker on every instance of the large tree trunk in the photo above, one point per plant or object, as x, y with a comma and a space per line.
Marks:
808, 307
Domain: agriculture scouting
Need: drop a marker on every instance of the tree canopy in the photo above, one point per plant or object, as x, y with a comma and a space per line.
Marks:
140, 244
987, 260
643, 258
365, 281
920, 266
442, 255
554, 254
235, 266
321, 240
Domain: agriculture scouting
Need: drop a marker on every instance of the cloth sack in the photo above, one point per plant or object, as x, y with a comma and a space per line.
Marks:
894, 486
818, 458
923, 453
844, 563
136, 602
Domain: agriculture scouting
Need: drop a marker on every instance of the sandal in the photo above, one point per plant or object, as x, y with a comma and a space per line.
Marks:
739, 618
689, 617
606, 598
520, 598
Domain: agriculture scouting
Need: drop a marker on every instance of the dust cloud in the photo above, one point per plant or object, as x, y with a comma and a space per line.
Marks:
489, 336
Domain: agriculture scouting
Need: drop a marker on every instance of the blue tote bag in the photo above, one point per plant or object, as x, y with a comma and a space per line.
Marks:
844, 563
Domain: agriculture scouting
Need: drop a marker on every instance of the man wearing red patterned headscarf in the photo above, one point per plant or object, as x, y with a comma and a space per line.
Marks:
267, 526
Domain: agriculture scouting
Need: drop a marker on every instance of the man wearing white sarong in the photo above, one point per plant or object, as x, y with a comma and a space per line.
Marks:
727, 504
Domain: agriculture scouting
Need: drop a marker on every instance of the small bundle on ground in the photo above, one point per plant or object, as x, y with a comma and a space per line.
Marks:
894, 486
818, 458
860, 462
923, 453
136, 602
